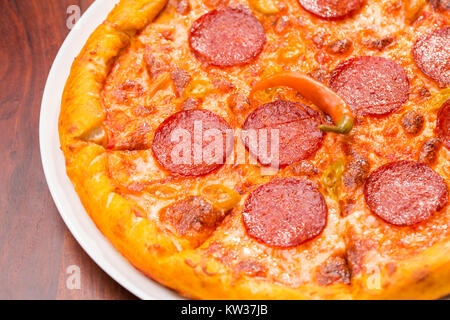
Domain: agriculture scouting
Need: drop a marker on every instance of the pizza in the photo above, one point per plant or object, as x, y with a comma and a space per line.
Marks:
266, 149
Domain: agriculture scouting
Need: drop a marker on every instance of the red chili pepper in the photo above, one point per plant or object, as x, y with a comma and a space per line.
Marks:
320, 95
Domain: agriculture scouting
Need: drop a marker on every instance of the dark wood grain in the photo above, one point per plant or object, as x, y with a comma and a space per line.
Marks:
35, 246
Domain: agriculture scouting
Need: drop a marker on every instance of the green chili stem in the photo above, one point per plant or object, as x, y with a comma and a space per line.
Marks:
343, 126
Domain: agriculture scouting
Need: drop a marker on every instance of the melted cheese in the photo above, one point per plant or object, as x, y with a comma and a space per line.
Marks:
380, 140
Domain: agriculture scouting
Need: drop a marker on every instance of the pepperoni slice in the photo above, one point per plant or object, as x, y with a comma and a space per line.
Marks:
285, 212
193, 142
371, 85
332, 9
405, 193
295, 125
432, 54
227, 37
443, 124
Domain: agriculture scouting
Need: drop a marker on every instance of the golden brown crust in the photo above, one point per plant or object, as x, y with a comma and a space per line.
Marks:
193, 272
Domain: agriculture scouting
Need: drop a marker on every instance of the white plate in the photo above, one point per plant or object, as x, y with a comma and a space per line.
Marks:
62, 190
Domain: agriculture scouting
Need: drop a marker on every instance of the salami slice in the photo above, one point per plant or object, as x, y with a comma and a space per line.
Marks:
193, 142
405, 193
332, 9
227, 37
285, 212
371, 85
432, 55
443, 124
293, 125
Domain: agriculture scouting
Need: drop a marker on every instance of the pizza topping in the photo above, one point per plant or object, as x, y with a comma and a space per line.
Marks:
181, 79
438, 99
371, 85
343, 126
317, 93
222, 197
422, 92
429, 151
412, 122
189, 104
133, 87
320, 74
293, 125
291, 53
346, 206
183, 6
227, 37
127, 91
332, 9
249, 268
265, 6
193, 142
192, 218
444, 5
443, 124
161, 191
153, 66
380, 44
356, 254
136, 138
198, 88
282, 24
405, 193
356, 171
143, 111
285, 212
167, 34
332, 177
340, 46
440, 4
334, 269
223, 85
319, 39
432, 55
304, 168
238, 103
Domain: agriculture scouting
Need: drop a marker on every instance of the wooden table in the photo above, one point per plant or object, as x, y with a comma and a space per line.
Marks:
36, 248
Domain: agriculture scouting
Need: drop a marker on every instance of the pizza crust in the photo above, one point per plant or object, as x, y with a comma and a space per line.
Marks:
424, 276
